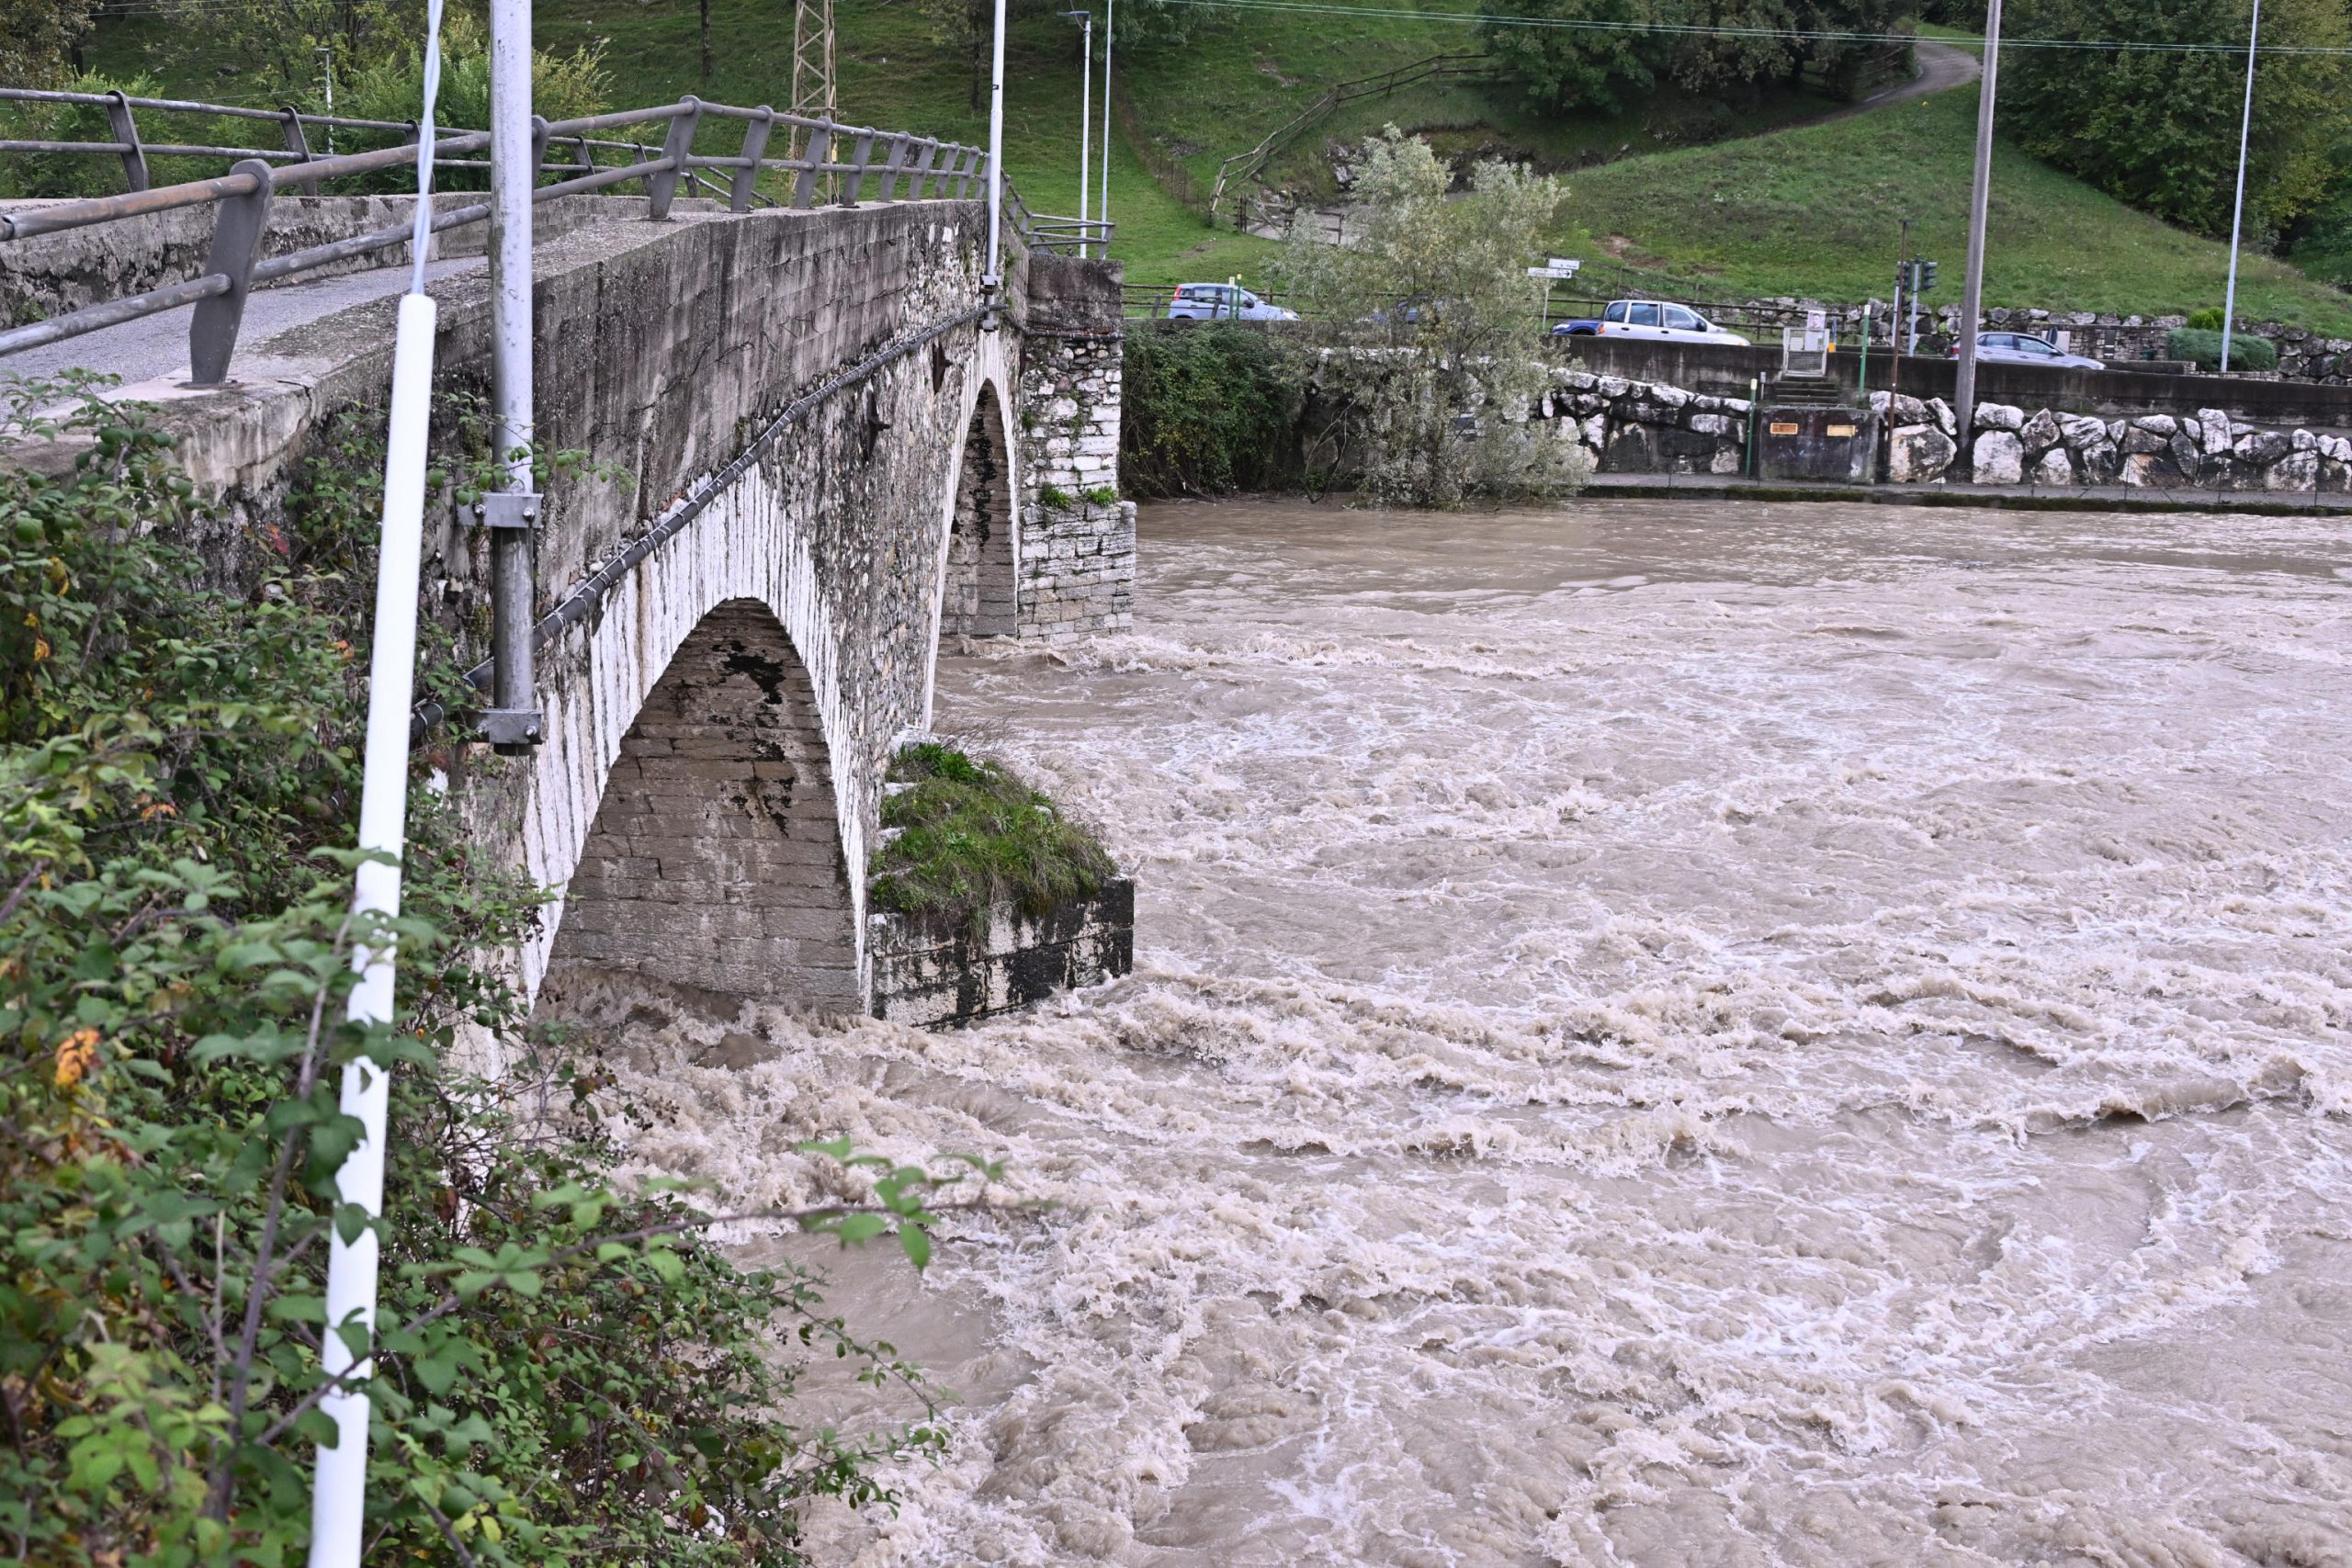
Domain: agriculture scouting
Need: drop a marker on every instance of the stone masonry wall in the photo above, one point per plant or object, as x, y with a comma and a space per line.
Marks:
1640, 427
1077, 538
2010, 447
930, 971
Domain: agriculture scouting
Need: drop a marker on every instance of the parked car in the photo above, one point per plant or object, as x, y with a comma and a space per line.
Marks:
2024, 348
1581, 326
1223, 302
1410, 312
1661, 320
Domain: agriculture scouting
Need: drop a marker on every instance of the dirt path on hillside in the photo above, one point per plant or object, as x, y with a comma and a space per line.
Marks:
1942, 65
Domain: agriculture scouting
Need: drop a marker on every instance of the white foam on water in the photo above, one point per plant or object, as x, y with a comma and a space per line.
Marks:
1666, 1033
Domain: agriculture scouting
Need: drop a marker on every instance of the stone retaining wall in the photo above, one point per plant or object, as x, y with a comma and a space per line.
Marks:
1645, 427
1637, 427
2010, 446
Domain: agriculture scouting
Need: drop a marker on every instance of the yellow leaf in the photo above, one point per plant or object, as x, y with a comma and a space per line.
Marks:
76, 1056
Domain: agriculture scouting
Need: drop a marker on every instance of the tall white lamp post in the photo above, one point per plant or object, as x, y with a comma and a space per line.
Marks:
2237, 212
1102, 207
1085, 110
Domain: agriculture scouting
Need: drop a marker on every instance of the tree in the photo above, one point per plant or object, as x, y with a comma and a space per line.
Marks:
1422, 329
280, 38
37, 38
2160, 129
1605, 54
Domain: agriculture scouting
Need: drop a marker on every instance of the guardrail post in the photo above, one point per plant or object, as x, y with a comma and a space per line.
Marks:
126, 130
820, 143
890, 169
676, 147
923, 169
857, 172
300, 146
966, 167
755, 147
538, 149
237, 229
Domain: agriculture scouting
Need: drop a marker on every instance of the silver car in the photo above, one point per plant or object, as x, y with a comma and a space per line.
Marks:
2024, 348
1221, 302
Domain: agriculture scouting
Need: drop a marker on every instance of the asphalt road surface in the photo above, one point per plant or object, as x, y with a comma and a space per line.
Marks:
156, 347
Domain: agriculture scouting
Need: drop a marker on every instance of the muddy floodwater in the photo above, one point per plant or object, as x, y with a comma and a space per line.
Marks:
1665, 1034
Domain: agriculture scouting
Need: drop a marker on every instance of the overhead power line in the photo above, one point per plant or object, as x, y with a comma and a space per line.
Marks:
1806, 34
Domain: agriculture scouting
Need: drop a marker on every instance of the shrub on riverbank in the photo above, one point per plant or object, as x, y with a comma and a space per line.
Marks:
565, 1374
1206, 409
965, 834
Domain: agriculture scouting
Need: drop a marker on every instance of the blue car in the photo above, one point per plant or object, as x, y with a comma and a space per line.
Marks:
1583, 326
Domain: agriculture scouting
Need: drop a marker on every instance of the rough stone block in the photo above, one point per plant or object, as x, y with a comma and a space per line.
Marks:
1998, 458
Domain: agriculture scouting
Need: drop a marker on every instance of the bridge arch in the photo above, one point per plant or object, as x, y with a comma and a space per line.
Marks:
734, 702
715, 857
981, 539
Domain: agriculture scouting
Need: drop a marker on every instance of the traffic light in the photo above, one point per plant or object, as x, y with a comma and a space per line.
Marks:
1926, 276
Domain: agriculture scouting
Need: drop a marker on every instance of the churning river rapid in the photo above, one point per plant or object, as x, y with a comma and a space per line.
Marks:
1665, 1034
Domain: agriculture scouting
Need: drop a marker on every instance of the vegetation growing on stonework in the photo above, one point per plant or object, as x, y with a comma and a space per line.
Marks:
566, 1373
1208, 408
966, 833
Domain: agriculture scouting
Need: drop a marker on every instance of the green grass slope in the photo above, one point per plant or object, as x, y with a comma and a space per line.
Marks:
1816, 211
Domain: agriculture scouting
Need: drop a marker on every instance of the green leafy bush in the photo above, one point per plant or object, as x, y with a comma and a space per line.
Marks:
2208, 320
565, 1372
967, 834
2158, 127
1208, 408
2203, 349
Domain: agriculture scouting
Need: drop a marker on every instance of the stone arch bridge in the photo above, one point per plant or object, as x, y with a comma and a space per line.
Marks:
814, 457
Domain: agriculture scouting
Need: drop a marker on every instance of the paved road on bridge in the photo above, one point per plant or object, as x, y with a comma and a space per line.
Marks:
156, 347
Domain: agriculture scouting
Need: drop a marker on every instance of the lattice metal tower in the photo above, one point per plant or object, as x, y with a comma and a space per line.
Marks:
812, 67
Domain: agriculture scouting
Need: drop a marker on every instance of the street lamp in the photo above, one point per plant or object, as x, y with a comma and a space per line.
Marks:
2237, 212
1103, 204
1085, 110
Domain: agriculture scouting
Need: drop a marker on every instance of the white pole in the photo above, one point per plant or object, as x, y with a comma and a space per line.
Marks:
2237, 212
994, 281
1085, 108
1979, 195
1102, 208
339, 1488
511, 179
339, 1496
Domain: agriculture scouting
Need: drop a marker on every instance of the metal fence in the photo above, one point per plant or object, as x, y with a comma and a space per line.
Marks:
861, 163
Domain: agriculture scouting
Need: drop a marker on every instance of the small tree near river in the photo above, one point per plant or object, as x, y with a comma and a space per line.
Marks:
1423, 327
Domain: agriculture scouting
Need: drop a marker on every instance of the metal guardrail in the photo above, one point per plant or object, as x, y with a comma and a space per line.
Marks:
865, 164
1444, 67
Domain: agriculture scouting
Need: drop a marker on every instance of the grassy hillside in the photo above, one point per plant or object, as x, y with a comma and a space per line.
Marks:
1816, 211
1808, 210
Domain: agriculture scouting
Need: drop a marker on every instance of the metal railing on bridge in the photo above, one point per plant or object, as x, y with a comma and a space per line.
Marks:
861, 163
